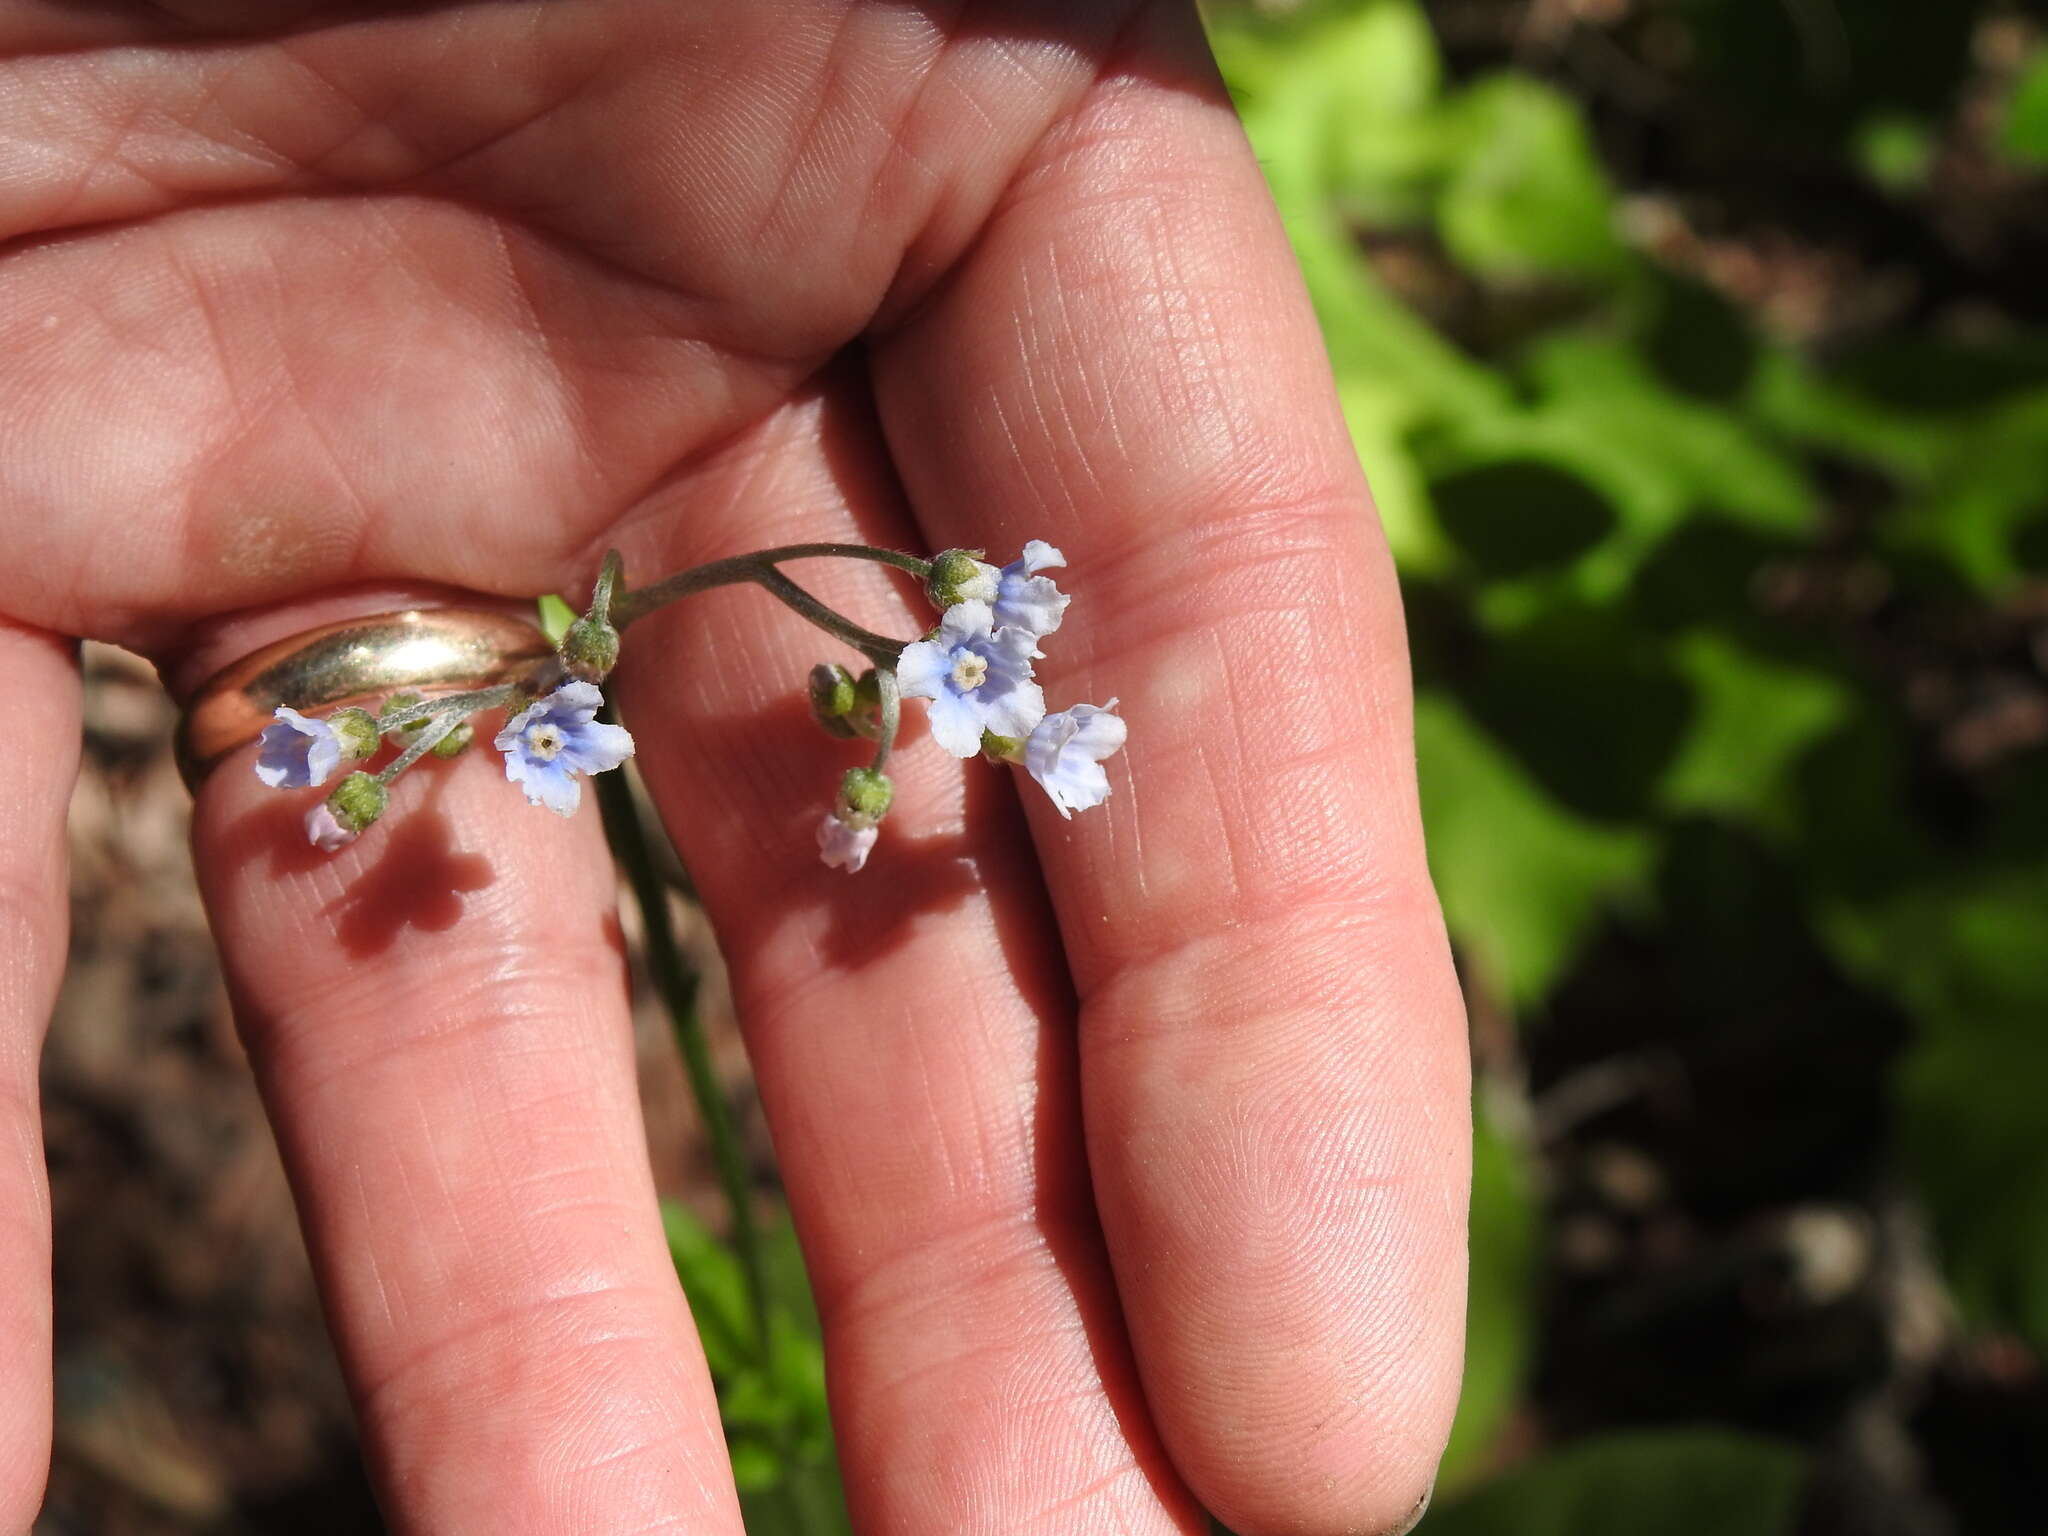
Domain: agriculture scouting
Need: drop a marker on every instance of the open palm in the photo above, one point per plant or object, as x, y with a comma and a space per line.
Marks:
1127, 1154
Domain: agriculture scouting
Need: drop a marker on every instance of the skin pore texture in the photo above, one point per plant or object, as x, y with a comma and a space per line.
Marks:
1128, 1153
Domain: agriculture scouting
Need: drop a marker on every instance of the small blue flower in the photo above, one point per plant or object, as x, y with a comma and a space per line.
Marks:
977, 677
1028, 601
550, 743
1065, 755
843, 846
297, 752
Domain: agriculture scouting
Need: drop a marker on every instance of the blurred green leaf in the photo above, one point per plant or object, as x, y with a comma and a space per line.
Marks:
1992, 485
1339, 104
1895, 151
2025, 134
1754, 719
777, 1420
1673, 1483
716, 1290
1521, 878
1500, 1306
1527, 197
1964, 953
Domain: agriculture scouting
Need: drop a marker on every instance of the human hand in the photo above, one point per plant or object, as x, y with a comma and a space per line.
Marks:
1128, 1154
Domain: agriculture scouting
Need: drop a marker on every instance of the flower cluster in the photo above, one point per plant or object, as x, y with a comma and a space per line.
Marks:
975, 673
974, 670
548, 746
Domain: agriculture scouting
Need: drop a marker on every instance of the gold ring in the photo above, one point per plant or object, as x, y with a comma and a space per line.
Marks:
428, 650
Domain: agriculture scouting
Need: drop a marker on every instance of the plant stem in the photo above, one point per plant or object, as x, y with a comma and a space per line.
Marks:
891, 713
449, 703
761, 568
677, 984
421, 744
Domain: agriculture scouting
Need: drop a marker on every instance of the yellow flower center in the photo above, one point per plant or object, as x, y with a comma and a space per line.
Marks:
969, 671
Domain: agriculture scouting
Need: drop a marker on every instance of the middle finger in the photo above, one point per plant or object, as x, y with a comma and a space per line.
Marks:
911, 1027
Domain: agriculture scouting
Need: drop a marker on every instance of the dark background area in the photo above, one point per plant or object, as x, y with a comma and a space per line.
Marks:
1698, 352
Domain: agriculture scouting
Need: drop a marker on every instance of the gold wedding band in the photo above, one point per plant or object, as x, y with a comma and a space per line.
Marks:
356, 661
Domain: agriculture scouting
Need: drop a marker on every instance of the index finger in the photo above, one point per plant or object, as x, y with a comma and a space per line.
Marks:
1273, 1043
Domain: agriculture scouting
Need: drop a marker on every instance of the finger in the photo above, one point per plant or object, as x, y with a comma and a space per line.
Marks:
1272, 1042
910, 1027
437, 1020
42, 759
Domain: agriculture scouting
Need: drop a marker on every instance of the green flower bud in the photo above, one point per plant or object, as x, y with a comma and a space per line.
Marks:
961, 575
832, 698
1002, 749
358, 800
864, 797
356, 730
399, 734
590, 649
453, 743
866, 715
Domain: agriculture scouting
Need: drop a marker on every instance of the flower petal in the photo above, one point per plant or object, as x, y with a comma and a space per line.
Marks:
1013, 711
921, 669
574, 702
1064, 755
595, 747
963, 622
1040, 556
956, 724
297, 752
548, 784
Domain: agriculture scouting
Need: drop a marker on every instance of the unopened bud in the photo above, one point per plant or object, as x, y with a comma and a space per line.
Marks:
866, 715
340, 819
864, 797
453, 743
832, 698
959, 576
356, 730
590, 649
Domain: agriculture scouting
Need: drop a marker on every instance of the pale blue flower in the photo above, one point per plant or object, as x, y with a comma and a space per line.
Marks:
977, 678
844, 846
1028, 601
549, 744
1065, 755
296, 752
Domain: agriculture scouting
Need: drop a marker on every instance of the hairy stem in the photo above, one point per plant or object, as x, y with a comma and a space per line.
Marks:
677, 984
761, 568
423, 743
459, 704
890, 712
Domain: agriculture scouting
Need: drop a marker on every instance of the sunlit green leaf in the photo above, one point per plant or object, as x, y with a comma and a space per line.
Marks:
1964, 954
1527, 197
1753, 718
1522, 879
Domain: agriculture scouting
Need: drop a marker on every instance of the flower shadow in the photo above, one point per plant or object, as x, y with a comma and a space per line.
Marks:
413, 875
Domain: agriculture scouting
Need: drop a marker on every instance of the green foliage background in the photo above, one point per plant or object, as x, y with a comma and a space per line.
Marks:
1592, 481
